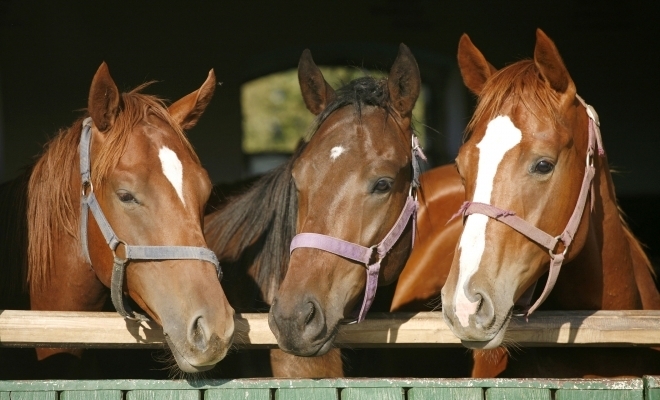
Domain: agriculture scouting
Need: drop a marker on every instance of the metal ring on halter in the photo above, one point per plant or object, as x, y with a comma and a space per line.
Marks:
590, 157
114, 249
87, 185
374, 257
563, 253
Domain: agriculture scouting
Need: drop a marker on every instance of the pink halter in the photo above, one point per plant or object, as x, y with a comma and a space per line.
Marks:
372, 256
535, 234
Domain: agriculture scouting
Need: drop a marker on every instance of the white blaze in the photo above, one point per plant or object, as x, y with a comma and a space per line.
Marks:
501, 136
336, 152
172, 169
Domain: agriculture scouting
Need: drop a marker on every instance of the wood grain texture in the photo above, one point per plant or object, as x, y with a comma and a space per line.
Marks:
109, 330
237, 394
445, 394
599, 395
33, 396
307, 394
91, 395
372, 393
164, 395
518, 394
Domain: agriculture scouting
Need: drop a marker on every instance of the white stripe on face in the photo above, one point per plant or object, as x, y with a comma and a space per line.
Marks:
336, 152
172, 169
501, 136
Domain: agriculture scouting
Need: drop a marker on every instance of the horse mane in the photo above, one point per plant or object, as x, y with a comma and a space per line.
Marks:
53, 207
520, 82
262, 221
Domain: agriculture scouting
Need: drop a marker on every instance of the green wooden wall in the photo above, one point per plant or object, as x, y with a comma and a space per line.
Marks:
647, 388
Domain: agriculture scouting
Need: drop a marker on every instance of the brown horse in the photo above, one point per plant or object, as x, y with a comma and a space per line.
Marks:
427, 268
528, 148
143, 195
350, 180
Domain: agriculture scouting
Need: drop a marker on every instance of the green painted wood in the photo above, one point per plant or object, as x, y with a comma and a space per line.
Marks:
307, 394
164, 394
601, 384
416, 393
599, 395
652, 394
91, 395
52, 395
374, 393
517, 394
4, 395
237, 394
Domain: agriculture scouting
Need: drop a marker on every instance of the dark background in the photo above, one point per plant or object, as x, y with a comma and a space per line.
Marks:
50, 50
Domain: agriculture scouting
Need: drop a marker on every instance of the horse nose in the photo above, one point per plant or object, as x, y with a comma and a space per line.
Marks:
298, 325
484, 317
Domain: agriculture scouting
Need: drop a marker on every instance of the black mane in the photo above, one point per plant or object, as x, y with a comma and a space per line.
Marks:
256, 227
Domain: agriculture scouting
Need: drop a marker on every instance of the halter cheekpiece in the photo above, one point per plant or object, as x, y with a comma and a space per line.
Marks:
90, 203
372, 256
551, 243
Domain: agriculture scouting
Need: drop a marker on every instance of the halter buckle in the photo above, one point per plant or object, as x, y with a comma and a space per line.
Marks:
591, 112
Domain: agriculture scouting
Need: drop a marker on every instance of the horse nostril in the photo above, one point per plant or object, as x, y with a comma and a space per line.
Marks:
480, 300
311, 313
198, 333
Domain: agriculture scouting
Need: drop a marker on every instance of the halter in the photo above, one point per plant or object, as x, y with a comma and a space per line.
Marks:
535, 234
372, 256
89, 203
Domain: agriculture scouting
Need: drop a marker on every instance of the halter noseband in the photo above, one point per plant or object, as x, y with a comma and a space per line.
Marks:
535, 234
89, 203
372, 256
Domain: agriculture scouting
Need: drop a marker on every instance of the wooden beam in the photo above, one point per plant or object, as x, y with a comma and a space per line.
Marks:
426, 329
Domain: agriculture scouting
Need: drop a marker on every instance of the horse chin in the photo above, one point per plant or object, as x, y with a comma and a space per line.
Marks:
317, 349
193, 366
494, 341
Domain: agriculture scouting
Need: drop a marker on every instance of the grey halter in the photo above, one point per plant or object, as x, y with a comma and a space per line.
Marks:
89, 203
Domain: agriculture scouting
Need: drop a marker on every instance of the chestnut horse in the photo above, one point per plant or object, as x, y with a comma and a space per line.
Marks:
143, 195
531, 150
350, 180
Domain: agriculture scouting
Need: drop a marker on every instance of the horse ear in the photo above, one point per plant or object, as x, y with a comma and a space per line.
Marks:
551, 66
474, 67
404, 81
187, 110
103, 102
316, 92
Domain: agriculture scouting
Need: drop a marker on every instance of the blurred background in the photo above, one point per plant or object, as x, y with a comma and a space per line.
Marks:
49, 52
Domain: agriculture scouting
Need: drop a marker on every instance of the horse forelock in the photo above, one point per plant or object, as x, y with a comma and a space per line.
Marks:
360, 92
53, 205
520, 83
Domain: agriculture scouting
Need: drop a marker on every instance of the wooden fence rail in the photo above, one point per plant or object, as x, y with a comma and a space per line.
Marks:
426, 329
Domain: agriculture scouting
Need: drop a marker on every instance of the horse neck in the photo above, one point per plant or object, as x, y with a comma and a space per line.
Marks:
602, 275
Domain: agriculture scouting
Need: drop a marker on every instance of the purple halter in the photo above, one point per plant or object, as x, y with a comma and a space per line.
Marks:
372, 256
535, 234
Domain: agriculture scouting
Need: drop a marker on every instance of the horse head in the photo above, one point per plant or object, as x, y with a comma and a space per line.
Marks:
524, 159
150, 189
353, 179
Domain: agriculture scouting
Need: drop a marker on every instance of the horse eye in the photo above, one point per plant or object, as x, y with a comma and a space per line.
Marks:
126, 197
544, 167
382, 186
